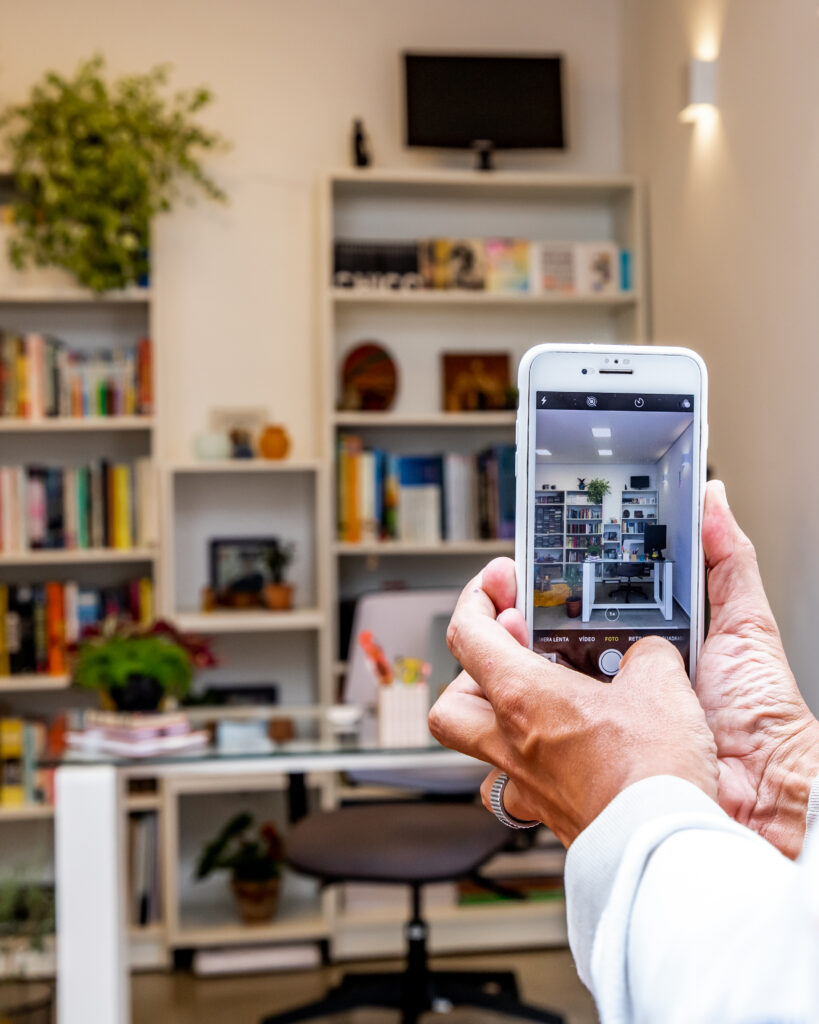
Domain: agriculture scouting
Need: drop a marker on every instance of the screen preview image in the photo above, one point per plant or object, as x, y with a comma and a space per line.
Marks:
611, 567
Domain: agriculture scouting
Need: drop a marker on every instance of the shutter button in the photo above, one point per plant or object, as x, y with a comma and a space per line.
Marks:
609, 661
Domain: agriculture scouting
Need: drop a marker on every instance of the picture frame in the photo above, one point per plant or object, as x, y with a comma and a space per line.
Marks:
475, 381
239, 569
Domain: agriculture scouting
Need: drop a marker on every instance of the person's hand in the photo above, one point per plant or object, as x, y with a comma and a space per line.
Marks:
569, 743
767, 739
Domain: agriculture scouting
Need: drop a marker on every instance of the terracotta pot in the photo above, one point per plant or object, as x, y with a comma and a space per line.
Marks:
256, 901
278, 596
574, 605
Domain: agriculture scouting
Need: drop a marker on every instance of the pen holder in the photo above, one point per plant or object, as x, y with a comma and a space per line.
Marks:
402, 715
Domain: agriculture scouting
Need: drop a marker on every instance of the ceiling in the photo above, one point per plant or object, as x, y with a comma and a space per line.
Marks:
635, 436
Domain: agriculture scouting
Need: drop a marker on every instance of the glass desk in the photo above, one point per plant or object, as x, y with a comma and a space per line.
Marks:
93, 981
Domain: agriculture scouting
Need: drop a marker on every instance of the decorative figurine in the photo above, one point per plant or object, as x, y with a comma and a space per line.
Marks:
361, 149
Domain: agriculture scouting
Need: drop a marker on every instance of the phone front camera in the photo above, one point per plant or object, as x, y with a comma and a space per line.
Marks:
584, 370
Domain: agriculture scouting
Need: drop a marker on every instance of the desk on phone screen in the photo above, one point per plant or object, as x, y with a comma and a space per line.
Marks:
662, 577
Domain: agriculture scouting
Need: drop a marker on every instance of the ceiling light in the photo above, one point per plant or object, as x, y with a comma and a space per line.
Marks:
542, 451
601, 431
605, 451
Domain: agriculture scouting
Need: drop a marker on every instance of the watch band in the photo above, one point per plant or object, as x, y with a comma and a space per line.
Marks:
500, 812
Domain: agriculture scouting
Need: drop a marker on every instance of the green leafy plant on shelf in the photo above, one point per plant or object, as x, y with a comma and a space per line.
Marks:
27, 919
596, 490
254, 858
137, 668
94, 161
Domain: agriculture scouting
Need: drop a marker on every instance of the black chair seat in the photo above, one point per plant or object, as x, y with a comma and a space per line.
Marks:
411, 843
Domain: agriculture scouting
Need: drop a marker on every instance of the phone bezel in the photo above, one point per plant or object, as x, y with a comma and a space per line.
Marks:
653, 370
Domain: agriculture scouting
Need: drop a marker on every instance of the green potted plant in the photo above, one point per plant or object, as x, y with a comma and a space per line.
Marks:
93, 162
135, 669
254, 858
573, 575
27, 920
596, 490
594, 550
278, 593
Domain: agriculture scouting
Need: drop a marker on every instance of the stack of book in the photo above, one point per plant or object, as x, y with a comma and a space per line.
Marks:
42, 377
506, 265
424, 498
123, 734
100, 506
38, 622
22, 781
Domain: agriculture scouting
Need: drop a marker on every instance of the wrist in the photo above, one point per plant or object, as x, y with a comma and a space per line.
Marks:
781, 809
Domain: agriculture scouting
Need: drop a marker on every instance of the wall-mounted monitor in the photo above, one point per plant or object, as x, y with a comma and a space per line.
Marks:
484, 102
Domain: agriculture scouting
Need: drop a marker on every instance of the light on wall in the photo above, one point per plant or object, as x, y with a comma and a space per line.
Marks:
701, 91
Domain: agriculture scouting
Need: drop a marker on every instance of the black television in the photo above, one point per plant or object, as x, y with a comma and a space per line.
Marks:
654, 539
484, 102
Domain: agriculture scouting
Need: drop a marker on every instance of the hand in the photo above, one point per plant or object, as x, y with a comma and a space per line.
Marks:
569, 743
767, 739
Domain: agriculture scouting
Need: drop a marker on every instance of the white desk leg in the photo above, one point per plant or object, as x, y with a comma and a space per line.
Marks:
588, 591
668, 598
93, 985
656, 575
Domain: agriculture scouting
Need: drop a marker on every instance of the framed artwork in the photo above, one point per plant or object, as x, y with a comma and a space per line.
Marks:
240, 569
476, 381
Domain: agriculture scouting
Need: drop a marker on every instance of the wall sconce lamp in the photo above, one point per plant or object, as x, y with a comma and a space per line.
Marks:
701, 91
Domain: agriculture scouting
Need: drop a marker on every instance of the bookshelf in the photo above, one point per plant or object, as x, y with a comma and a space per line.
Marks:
416, 326
638, 508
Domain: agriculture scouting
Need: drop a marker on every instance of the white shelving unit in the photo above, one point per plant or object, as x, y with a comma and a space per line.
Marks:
417, 326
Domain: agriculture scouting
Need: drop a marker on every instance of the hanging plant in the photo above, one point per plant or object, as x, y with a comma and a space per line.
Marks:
93, 162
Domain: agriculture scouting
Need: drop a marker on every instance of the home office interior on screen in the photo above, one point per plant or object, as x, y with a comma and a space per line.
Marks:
612, 525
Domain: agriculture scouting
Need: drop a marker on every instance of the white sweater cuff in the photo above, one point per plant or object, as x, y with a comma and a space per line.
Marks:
813, 807
595, 856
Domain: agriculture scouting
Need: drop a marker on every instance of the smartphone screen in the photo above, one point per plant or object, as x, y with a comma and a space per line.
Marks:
613, 519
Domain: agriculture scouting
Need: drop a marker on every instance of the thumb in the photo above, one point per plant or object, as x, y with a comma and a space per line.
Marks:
665, 659
735, 587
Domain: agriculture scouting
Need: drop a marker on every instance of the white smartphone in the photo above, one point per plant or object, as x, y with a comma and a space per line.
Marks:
611, 458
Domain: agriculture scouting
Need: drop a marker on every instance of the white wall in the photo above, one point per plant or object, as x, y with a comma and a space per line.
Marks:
734, 237
236, 314
676, 482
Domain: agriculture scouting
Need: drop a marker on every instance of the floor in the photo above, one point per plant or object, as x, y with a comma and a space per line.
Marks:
555, 618
547, 978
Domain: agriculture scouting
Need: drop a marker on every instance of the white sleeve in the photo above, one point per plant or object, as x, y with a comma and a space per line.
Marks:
676, 913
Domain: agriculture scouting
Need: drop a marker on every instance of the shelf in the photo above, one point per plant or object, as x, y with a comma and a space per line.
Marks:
143, 802
253, 621
454, 297
252, 712
76, 556
468, 547
436, 419
75, 424
73, 296
33, 681
374, 181
27, 812
248, 466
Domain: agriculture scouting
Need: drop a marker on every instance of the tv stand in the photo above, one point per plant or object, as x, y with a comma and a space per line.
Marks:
485, 150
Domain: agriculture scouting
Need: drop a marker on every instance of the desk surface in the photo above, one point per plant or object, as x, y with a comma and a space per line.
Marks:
294, 756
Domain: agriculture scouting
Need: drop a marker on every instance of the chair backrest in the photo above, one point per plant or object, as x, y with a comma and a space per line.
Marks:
411, 623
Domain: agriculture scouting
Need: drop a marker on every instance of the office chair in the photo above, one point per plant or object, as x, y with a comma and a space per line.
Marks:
630, 572
413, 845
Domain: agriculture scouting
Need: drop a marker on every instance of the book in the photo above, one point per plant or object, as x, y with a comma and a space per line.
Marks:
12, 792
554, 268
420, 480
598, 268
507, 265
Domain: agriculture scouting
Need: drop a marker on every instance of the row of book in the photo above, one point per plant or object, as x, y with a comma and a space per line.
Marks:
43, 377
22, 780
507, 265
104, 505
39, 622
424, 498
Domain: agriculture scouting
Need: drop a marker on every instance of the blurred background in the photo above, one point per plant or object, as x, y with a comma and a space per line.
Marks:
250, 343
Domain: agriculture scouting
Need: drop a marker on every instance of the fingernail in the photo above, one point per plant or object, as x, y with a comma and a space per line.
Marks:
718, 489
